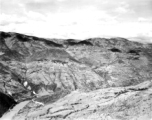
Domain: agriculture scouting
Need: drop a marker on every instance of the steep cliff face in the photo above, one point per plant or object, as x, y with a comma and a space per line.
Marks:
49, 70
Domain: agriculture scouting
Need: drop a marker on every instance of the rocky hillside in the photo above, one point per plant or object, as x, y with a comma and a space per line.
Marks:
76, 79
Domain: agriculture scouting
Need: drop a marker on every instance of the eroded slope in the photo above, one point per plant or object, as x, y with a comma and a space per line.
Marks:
33, 68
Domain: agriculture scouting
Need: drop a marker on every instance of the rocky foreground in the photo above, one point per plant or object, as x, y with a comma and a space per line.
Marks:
92, 79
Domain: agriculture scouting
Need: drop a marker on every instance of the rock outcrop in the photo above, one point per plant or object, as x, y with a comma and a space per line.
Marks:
6, 102
70, 79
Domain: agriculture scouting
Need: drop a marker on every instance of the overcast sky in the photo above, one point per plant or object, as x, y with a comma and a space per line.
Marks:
78, 18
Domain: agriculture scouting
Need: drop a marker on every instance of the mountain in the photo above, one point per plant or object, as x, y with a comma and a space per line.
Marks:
96, 78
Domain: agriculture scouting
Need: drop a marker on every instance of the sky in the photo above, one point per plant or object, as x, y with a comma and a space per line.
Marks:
78, 19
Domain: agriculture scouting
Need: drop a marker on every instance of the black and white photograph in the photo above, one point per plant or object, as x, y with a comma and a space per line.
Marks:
75, 59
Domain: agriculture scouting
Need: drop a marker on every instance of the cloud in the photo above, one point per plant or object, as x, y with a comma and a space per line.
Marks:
11, 7
42, 7
9, 19
77, 18
146, 20
121, 10
142, 8
54, 6
7, 23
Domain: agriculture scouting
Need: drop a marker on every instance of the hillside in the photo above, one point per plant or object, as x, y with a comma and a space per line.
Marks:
76, 79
